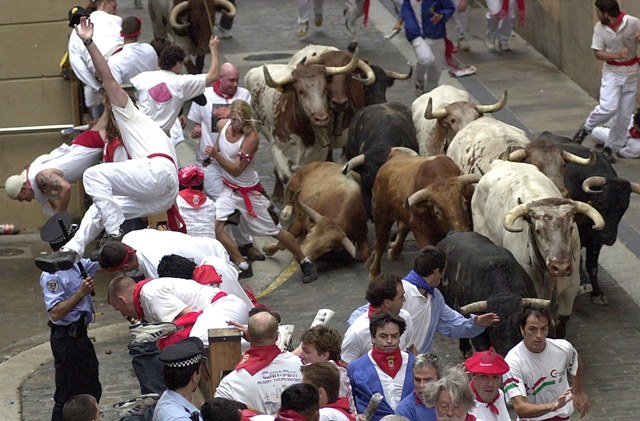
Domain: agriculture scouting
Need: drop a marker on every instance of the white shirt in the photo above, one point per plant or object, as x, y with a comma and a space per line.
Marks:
262, 391
164, 298
152, 245
135, 58
419, 307
330, 414
541, 377
229, 276
357, 339
162, 93
199, 220
482, 411
605, 39
392, 387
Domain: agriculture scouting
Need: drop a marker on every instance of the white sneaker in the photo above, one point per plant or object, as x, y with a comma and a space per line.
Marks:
225, 33
302, 29
137, 405
463, 45
491, 44
504, 47
150, 332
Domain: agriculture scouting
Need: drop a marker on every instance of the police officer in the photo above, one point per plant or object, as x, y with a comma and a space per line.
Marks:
68, 301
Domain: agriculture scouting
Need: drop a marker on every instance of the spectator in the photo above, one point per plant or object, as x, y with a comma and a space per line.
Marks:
451, 396
299, 403
81, 408
325, 376
486, 369
426, 368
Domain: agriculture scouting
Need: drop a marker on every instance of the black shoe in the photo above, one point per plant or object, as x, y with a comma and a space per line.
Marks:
352, 47
59, 260
251, 253
110, 238
607, 153
245, 273
580, 134
95, 256
309, 273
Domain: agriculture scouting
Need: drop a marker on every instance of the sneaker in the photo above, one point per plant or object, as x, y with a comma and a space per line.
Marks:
319, 20
244, 273
491, 44
580, 134
607, 153
463, 45
137, 4
110, 238
302, 29
59, 260
225, 33
504, 47
150, 332
251, 253
352, 46
137, 405
419, 90
309, 273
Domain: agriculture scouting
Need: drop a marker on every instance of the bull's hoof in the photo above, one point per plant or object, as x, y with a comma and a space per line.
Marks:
270, 249
600, 300
393, 254
286, 213
465, 354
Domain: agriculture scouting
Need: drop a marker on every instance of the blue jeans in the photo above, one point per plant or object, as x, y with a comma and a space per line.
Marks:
147, 367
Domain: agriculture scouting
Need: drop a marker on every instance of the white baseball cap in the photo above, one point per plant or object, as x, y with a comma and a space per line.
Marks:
14, 184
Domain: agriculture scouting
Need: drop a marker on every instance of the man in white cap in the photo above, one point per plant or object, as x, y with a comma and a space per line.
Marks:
486, 370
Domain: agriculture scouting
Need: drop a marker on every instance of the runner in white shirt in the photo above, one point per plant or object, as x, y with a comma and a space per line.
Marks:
135, 57
325, 376
536, 383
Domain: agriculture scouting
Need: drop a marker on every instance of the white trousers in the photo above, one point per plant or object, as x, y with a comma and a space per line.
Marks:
496, 28
304, 9
212, 188
353, 9
430, 54
631, 148
617, 98
461, 20
124, 190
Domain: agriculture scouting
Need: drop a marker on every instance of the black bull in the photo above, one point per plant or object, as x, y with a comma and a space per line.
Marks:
478, 270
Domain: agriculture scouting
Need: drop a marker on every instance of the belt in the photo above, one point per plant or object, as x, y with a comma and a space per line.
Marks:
631, 62
72, 330
162, 155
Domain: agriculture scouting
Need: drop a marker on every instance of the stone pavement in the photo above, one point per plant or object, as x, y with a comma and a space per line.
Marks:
540, 98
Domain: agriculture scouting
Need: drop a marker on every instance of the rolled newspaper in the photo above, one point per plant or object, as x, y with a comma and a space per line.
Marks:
372, 407
322, 317
392, 34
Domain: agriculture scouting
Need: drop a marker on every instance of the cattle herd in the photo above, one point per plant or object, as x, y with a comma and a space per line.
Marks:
512, 214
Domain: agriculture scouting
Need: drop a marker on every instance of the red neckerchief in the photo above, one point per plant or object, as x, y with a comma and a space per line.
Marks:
491, 405
195, 198
206, 275
89, 139
186, 322
219, 295
617, 22
244, 192
389, 362
289, 415
216, 89
342, 405
372, 310
110, 150
257, 358
137, 288
247, 414
634, 133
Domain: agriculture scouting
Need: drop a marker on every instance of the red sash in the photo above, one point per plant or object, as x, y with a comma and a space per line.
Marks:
631, 62
195, 198
89, 139
257, 358
504, 12
206, 275
491, 405
186, 322
244, 192
365, 11
342, 405
136, 297
389, 362
174, 219
289, 415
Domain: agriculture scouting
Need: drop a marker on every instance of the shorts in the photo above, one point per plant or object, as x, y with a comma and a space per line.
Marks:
264, 223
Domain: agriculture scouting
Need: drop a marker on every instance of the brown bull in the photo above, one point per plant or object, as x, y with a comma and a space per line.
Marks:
428, 196
329, 212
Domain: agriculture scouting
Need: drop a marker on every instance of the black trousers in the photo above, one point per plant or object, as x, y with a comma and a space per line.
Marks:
75, 363
226, 22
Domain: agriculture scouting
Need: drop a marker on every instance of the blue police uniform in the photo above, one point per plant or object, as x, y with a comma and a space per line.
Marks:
75, 361
173, 406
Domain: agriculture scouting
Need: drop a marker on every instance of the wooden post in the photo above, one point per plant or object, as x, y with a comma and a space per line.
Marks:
224, 354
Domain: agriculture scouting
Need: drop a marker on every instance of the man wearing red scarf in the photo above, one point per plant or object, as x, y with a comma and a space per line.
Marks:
263, 371
486, 370
615, 41
385, 369
325, 376
299, 403
631, 148
440, 395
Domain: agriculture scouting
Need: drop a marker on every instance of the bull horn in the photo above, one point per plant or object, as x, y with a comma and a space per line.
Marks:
575, 159
315, 216
399, 76
276, 84
477, 307
173, 17
513, 215
370, 77
330, 71
230, 7
467, 179
417, 197
516, 156
348, 246
593, 182
353, 163
494, 107
635, 188
537, 302
439, 113
591, 212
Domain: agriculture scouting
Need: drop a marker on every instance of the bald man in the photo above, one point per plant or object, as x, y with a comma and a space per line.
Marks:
219, 97
263, 360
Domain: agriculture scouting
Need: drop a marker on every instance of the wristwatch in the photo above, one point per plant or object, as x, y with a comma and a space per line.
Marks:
88, 42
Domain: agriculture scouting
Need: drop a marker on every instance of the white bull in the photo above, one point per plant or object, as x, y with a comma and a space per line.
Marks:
441, 113
546, 241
